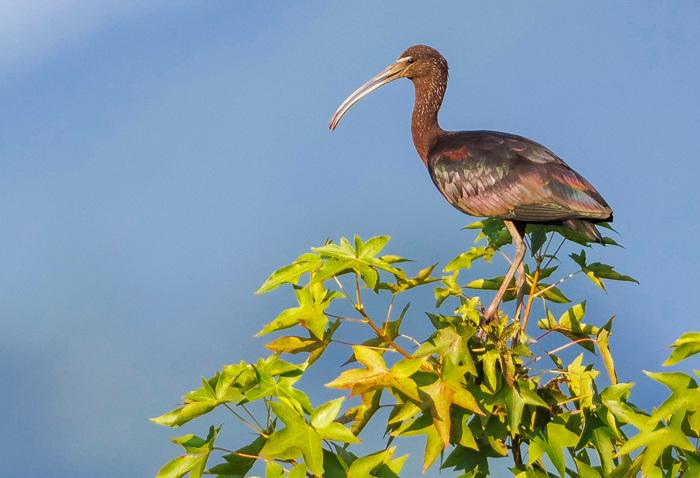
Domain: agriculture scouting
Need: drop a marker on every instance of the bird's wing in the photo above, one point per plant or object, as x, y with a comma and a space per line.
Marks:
497, 175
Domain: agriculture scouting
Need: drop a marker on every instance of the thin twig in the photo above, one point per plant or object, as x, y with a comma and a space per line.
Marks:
342, 289
546, 247
348, 319
559, 349
552, 256
251, 415
383, 349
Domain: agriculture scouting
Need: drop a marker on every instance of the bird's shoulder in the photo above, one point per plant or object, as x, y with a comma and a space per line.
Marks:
491, 147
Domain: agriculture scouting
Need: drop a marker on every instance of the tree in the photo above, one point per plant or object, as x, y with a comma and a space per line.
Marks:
475, 392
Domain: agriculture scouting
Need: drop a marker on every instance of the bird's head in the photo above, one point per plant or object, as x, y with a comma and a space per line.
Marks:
416, 63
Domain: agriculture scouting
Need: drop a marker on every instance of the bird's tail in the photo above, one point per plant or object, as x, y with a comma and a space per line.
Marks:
585, 228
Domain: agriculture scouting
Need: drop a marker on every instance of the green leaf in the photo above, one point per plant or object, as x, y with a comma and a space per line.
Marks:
655, 441
361, 414
465, 259
511, 398
365, 466
528, 392
276, 378
433, 442
274, 470
236, 464
194, 461
299, 471
360, 258
475, 463
597, 271
582, 381
614, 399
375, 375
290, 273
225, 386
685, 393
291, 344
450, 342
313, 301
489, 359
391, 329
553, 442
326, 413
570, 325
336, 431
297, 438
553, 294
586, 471
686, 346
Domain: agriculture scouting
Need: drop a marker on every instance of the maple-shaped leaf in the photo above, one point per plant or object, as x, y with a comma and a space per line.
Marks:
361, 414
377, 375
360, 257
685, 395
598, 271
300, 437
368, 466
276, 378
194, 461
553, 441
297, 438
474, 463
447, 390
571, 326
656, 441
403, 284
614, 399
313, 301
686, 346
312, 345
239, 462
291, 273
424, 425
450, 341
582, 381
228, 385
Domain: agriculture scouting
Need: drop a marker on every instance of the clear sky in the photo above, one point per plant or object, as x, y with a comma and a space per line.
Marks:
158, 159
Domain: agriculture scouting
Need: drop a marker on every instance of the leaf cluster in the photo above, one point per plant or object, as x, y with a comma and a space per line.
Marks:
476, 393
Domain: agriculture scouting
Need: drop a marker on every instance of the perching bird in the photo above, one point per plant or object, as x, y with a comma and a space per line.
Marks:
488, 173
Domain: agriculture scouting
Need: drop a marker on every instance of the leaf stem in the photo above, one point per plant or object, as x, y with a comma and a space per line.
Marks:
257, 429
563, 279
251, 415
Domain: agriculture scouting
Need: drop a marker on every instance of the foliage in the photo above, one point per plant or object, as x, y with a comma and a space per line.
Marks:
476, 393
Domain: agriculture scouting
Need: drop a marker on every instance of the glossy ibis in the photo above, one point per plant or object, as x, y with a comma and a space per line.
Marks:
488, 173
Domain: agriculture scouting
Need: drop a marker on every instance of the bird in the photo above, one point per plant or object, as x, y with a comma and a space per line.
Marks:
489, 173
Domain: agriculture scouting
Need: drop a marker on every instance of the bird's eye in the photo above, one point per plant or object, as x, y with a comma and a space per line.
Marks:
410, 59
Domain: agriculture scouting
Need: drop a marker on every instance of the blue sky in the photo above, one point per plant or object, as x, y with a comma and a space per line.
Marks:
158, 159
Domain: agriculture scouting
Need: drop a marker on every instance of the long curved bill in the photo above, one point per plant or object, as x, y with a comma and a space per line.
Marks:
390, 73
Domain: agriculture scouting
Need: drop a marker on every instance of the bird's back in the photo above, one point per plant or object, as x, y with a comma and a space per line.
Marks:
493, 174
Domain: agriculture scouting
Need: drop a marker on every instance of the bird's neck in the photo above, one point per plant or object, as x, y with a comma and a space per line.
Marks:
424, 125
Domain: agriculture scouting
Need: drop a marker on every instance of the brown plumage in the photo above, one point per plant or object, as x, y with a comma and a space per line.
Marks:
488, 173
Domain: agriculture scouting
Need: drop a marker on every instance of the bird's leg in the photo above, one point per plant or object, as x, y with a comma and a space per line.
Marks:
517, 236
